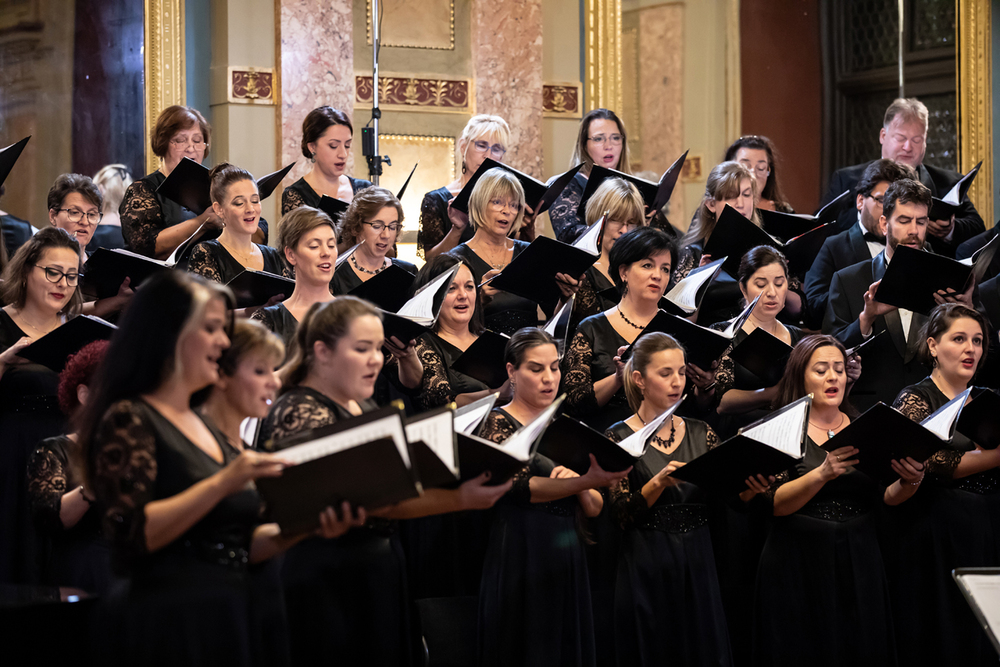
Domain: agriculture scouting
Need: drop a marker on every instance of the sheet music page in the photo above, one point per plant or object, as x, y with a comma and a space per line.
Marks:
437, 433
942, 423
590, 238
520, 444
985, 590
343, 258
784, 431
635, 444
684, 295
172, 260
740, 319
952, 196
391, 427
248, 430
558, 326
420, 308
469, 417
834, 202
122, 251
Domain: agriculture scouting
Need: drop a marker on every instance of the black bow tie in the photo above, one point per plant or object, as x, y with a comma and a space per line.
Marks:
869, 236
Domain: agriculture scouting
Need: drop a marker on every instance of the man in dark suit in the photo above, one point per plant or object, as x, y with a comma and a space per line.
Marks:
854, 313
968, 249
861, 242
904, 139
989, 295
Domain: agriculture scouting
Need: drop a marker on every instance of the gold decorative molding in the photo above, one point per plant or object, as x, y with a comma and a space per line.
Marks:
416, 92
975, 106
562, 100
603, 49
164, 63
415, 24
251, 85
734, 90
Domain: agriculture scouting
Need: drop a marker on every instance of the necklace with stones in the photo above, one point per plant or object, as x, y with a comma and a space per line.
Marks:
627, 320
666, 444
364, 270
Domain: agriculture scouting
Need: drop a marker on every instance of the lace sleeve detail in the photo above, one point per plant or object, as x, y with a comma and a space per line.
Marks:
779, 479
294, 416
586, 303
203, 263
47, 482
497, 428
626, 504
290, 200
564, 214
435, 388
431, 228
688, 259
125, 474
578, 384
141, 218
943, 462
262, 316
725, 375
711, 438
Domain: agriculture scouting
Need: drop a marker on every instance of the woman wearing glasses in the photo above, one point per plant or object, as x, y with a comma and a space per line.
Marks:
441, 227
40, 290
372, 223
602, 140
758, 153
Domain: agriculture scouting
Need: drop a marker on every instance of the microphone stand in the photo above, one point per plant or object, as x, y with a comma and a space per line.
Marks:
369, 135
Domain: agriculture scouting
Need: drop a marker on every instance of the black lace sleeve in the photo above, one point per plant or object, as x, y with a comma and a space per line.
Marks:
688, 258
264, 317
779, 479
943, 462
577, 381
47, 482
435, 388
626, 504
296, 414
203, 263
497, 428
432, 228
725, 375
124, 464
586, 303
711, 438
141, 218
564, 213
291, 200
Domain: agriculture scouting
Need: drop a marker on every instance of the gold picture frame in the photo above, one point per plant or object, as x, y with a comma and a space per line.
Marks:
975, 101
164, 64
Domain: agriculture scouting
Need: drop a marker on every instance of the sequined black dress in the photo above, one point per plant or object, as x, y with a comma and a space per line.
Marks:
505, 313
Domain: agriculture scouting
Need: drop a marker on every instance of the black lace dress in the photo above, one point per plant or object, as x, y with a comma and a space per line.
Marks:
300, 193
78, 556
948, 523
346, 277
534, 601
191, 601
589, 358
211, 260
280, 320
591, 297
435, 223
144, 214
346, 598
505, 313
822, 597
441, 383
29, 413
668, 607
566, 221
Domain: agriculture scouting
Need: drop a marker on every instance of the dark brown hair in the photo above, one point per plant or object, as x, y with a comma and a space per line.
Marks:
172, 120
642, 353
905, 191
14, 289
637, 245
792, 386
772, 190
756, 259
435, 268
938, 323
883, 170
67, 183
317, 122
523, 340
366, 205
224, 175
580, 154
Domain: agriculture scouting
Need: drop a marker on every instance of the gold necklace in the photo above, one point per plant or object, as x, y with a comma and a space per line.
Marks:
24, 319
491, 261
244, 260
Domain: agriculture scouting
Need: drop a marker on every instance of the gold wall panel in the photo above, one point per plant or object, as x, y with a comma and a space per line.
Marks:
415, 92
603, 53
418, 24
975, 101
164, 35
562, 100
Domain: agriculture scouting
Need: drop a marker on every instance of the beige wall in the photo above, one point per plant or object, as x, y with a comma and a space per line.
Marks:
560, 63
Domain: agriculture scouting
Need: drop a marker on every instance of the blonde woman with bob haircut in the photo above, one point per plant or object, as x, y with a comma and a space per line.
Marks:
442, 228
373, 223
496, 212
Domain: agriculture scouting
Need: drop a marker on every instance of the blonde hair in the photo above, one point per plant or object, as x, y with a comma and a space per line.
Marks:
620, 199
723, 183
481, 126
496, 183
113, 180
297, 223
642, 354
906, 109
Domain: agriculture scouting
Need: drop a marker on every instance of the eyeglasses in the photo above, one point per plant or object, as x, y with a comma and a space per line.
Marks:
496, 150
626, 226
760, 169
499, 205
879, 199
76, 215
55, 275
196, 143
379, 226
614, 139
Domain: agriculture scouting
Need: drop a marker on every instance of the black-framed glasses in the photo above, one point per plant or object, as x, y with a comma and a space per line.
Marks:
75, 215
879, 199
55, 275
379, 226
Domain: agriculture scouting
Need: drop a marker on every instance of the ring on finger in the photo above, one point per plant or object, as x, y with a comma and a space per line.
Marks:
838, 459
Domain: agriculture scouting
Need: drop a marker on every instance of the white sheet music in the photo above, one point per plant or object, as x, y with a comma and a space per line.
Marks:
343, 256
942, 423
172, 260
984, 589
740, 319
785, 431
122, 251
590, 238
635, 444
558, 326
469, 417
684, 295
521, 443
391, 427
437, 433
420, 308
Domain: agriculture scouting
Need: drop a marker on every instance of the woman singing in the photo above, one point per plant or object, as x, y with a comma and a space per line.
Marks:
757, 153
374, 220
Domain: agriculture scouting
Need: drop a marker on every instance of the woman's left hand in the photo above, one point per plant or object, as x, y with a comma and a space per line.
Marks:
853, 368
910, 471
331, 525
562, 472
567, 285
701, 379
400, 350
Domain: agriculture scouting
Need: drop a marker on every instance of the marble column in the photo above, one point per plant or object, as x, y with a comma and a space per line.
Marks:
507, 64
317, 68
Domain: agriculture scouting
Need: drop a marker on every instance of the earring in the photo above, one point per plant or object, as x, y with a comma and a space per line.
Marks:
465, 169
625, 291
312, 158
934, 362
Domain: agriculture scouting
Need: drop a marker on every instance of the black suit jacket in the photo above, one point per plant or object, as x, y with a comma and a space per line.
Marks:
889, 363
989, 295
838, 252
968, 223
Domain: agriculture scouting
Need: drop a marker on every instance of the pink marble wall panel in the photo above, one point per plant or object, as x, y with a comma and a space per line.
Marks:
317, 68
507, 64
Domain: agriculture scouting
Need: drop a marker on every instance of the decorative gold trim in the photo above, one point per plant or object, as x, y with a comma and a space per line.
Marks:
251, 85
429, 93
734, 90
164, 64
562, 99
451, 30
975, 101
603, 49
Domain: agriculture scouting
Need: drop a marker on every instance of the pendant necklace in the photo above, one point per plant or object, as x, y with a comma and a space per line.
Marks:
830, 432
673, 430
489, 260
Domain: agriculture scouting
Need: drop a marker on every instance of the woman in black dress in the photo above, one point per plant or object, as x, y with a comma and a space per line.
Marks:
666, 561
822, 596
954, 518
74, 552
602, 140
496, 212
534, 601
441, 227
348, 598
40, 288
183, 520
372, 222
237, 203
308, 241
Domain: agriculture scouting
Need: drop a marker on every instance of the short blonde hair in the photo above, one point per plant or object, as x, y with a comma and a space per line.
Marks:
620, 199
496, 183
481, 126
113, 180
907, 109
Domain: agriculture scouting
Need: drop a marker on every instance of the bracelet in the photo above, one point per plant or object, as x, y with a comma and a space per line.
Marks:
916, 483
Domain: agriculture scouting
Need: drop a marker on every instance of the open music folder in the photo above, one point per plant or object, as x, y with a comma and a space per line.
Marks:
434, 447
537, 195
255, 288
418, 314
685, 297
980, 419
763, 355
483, 360
388, 289
469, 418
54, 348
981, 588
947, 206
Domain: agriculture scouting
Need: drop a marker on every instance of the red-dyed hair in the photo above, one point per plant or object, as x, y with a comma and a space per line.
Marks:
79, 370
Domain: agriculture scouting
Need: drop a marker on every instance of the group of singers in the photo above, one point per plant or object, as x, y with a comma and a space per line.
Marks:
128, 474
